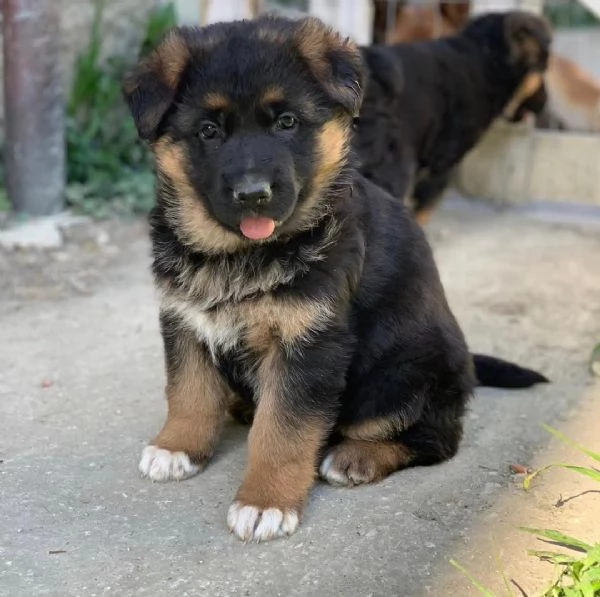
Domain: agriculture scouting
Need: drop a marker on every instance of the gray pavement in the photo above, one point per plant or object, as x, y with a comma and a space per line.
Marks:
76, 519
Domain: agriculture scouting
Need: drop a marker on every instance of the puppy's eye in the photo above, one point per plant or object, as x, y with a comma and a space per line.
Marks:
208, 130
286, 122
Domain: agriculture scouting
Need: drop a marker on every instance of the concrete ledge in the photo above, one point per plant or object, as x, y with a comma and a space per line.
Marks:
517, 164
50, 232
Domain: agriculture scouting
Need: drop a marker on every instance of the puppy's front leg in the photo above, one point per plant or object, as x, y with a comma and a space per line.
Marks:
197, 397
296, 409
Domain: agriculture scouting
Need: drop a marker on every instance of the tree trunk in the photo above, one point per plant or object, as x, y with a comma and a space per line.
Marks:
34, 119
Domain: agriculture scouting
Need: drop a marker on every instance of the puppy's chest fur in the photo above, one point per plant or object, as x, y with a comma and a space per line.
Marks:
243, 303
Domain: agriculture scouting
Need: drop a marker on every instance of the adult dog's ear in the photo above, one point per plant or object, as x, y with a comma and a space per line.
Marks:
335, 61
456, 13
528, 37
151, 87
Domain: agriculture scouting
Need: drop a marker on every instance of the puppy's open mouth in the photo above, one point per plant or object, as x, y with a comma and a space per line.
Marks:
257, 228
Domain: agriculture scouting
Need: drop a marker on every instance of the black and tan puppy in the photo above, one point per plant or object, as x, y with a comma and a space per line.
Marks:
428, 103
294, 292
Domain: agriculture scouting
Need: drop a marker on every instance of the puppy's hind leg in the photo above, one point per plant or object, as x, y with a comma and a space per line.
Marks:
421, 424
376, 448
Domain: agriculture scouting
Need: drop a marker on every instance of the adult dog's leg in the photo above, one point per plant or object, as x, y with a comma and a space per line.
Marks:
427, 195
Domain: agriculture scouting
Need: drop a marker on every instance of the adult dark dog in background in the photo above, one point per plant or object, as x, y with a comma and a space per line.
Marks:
428, 103
294, 291
413, 20
573, 92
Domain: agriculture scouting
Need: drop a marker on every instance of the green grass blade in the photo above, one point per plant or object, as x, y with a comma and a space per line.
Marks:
554, 557
594, 363
500, 565
588, 590
566, 440
593, 556
473, 580
529, 478
592, 473
559, 538
582, 470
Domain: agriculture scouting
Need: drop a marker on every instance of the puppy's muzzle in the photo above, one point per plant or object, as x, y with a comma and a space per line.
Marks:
252, 192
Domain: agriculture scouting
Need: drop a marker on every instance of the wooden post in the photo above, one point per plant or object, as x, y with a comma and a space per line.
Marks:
34, 157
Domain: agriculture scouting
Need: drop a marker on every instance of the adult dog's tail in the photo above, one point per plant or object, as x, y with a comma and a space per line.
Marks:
497, 373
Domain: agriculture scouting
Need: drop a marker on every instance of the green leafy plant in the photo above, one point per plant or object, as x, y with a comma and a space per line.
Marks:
483, 590
577, 571
571, 14
161, 20
594, 362
577, 576
108, 168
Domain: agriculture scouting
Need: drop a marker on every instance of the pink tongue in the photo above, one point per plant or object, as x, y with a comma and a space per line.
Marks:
257, 228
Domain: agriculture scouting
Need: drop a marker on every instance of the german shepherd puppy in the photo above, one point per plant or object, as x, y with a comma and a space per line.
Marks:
295, 293
427, 103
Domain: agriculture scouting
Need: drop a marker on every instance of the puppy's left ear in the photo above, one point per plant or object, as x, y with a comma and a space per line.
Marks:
151, 87
335, 61
528, 37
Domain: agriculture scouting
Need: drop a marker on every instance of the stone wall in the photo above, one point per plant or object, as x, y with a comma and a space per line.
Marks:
123, 26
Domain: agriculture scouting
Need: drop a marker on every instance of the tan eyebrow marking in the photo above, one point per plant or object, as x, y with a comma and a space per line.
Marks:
216, 101
272, 95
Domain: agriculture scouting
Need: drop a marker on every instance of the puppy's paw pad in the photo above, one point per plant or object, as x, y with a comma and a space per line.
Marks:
337, 470
249, 523
163, 465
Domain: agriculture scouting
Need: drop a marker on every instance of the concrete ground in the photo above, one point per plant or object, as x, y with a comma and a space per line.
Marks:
81, 383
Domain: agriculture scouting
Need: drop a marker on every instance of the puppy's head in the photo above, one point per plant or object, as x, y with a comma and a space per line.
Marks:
517, 46
250, 125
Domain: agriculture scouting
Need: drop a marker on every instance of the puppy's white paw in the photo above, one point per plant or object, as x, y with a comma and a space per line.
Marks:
329, 472
163, 465
249, 523
341, 472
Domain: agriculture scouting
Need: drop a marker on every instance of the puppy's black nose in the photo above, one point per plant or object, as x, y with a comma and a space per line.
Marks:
252, 191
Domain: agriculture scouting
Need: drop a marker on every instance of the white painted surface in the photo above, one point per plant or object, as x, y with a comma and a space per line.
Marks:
213, 11
482, 6
351, 17
188, 11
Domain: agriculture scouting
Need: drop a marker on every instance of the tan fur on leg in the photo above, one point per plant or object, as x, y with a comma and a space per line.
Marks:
283, 453
197, 398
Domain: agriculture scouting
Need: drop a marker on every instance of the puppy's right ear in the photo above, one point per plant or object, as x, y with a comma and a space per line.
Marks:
335, 61
151, 87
